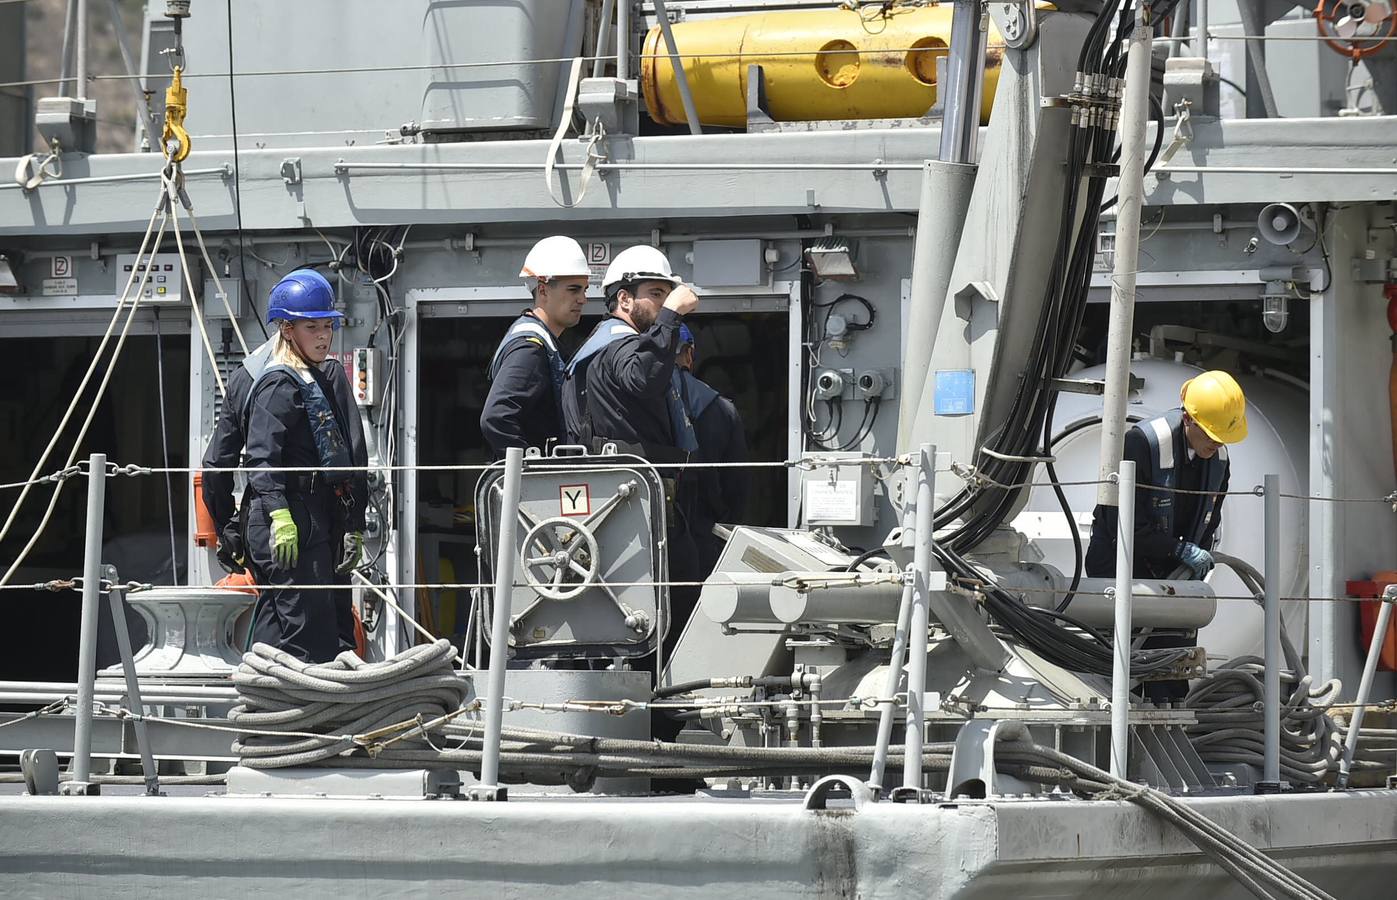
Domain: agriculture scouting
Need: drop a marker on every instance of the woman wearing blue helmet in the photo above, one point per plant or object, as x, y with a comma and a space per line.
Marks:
303, 527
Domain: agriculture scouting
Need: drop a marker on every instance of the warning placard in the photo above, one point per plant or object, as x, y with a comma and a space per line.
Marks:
575, 499
598, 258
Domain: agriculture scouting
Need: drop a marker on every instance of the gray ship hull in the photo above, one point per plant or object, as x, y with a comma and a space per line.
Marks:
215, 846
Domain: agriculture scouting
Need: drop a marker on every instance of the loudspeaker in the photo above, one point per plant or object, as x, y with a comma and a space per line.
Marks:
1280, 224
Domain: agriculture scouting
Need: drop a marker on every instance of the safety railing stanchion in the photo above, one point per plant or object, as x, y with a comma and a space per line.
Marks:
1120, 669
489, 787
1365, 685
918, 623
116, 597
1271, 683
81, 768
887, 707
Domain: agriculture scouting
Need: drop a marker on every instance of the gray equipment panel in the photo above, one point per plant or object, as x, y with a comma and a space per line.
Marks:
589, 549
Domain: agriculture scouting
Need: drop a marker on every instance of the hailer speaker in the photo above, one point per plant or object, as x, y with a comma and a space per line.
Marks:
1280, 223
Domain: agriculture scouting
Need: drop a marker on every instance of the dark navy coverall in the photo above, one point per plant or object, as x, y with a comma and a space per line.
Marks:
719, 494
273, 431
1162, 518
628, 400
523, 407
627, 391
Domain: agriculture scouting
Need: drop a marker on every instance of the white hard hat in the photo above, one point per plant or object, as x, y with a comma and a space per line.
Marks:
639, 263
555, 257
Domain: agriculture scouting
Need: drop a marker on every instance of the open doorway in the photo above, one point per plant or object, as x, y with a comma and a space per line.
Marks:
743, 355
140, 516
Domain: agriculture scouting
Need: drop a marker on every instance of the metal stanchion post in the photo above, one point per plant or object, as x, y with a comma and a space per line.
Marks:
117, 599
1125, 572
1271, 686
917, 624
489, 787
81, 769
1365, 685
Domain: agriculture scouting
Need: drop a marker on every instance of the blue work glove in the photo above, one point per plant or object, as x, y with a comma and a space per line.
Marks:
286, 541
1198, 560
353, 552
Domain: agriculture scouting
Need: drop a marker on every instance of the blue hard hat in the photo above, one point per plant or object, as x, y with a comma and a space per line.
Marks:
302, 294
685, 335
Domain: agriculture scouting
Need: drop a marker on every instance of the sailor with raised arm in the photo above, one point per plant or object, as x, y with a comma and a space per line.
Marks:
620, 385
623, 388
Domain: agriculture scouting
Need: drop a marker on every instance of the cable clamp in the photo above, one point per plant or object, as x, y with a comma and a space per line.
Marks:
60, 475
971, 475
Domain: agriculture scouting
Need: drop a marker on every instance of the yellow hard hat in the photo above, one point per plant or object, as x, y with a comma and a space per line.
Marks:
1215, 401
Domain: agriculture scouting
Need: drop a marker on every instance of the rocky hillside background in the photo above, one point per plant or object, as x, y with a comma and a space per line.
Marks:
116, 99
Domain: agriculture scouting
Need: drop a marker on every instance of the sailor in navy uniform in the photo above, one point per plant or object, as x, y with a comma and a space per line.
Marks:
524, 406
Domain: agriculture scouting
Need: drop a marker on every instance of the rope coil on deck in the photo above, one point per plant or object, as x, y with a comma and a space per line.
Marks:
279, 693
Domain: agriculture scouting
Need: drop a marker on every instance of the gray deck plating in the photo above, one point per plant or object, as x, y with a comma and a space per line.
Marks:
218, 846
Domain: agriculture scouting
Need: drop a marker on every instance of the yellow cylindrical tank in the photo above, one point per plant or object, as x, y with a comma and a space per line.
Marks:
819, 64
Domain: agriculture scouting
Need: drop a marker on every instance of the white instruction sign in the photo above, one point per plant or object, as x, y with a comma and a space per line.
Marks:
825, 501
62, 267
575, 499
598, 258
60, 287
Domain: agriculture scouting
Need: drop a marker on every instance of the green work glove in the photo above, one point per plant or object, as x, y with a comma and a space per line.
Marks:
285, 539
353, 551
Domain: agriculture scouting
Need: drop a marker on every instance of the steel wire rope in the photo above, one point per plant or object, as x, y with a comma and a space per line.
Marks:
238, 179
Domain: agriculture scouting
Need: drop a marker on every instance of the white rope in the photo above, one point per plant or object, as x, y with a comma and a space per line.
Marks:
594, 156
171, 197
402, 613
217, 282
82, 386
92, 412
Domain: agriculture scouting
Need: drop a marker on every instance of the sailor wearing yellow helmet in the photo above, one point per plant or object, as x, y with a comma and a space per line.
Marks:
1176, 455
1181, 473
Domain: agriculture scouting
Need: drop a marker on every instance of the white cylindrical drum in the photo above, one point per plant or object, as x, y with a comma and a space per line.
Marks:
842, 604
729, 597
1277, 442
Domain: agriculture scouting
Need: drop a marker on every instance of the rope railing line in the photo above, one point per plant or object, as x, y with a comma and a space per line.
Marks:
51, 478
495, 64
549, 464
135, 587
552, 464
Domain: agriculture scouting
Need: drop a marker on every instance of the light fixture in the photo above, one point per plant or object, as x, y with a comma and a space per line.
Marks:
9, 284
1275, 307
832, 257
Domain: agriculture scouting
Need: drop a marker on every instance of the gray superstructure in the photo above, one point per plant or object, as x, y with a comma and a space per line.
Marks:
416, 150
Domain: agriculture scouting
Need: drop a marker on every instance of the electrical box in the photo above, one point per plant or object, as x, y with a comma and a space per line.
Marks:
214, 308
366, 375
729, 263
166, 282
839, 494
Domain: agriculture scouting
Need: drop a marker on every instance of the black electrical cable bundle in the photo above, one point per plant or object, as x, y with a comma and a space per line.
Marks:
1022, 439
